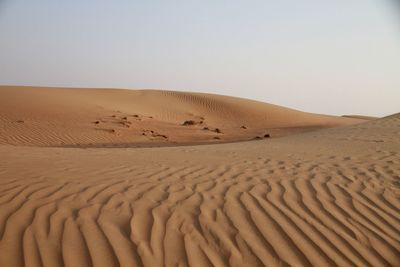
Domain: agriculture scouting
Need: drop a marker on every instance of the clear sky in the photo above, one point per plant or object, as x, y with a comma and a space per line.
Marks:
333, 57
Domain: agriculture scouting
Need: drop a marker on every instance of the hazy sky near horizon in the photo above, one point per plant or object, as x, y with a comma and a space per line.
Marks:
333, 57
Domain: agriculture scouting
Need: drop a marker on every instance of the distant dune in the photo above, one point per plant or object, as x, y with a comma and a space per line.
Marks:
100, 117
360, 117
328, 197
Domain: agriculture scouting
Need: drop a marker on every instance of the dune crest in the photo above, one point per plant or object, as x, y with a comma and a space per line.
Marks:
99, 117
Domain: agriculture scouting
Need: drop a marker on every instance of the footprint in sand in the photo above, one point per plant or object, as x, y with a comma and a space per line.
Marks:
189, 123
151, 133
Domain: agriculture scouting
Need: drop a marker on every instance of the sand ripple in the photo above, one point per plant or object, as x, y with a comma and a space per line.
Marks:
339, 211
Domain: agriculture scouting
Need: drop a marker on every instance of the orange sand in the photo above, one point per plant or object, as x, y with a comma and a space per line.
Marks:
329, 197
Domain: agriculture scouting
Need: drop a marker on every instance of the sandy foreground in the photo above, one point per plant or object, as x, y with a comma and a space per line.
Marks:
74, 192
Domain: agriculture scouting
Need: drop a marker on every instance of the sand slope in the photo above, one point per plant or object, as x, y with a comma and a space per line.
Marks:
325, 198
88, 117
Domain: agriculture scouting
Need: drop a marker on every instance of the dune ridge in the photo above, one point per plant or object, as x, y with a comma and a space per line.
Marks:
34, 116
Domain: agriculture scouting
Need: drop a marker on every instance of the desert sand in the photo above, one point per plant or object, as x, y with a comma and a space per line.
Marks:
86, 117
117, 178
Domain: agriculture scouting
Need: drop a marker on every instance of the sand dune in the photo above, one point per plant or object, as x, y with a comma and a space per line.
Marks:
323, 198
88, 117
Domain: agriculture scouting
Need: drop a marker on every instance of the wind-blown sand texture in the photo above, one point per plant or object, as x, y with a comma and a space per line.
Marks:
87, 117
324, 198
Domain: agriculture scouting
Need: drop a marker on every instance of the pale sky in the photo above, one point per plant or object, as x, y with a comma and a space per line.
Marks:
333, 57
